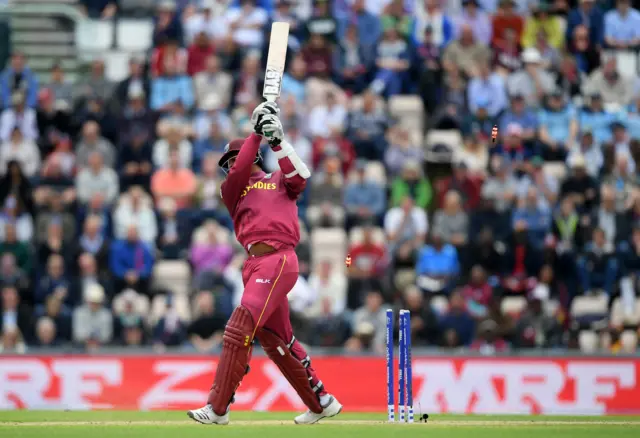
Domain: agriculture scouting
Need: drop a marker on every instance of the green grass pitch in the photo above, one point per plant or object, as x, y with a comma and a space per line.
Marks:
174, 424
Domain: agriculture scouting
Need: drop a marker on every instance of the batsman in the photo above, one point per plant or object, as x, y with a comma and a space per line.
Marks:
265, 217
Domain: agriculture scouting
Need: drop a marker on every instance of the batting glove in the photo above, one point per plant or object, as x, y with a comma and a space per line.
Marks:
270, 127
265, 108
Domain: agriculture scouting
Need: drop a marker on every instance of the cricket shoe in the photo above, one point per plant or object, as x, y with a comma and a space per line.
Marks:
331, 409
205, 415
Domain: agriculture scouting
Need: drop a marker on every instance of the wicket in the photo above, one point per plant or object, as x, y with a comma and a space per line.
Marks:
405, 373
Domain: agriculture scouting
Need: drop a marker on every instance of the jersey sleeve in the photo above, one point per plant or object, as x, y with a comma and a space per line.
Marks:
239, 174
294, 172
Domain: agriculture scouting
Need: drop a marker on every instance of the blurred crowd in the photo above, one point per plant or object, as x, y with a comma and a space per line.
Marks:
525, 242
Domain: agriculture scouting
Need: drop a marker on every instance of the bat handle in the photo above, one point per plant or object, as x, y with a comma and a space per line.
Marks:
270, 98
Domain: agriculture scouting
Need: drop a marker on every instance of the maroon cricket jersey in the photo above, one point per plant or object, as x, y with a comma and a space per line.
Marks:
262, 205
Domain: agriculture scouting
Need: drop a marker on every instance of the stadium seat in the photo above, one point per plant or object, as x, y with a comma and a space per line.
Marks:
629, 341
619, 316
408, 110
159, 307
404, 278
134, 35
627, 63
588, 341
439, 304
94, 35
117, 66
513, 305
551, 307
589, 308
356, 103
355, 236
173, 276
556, 170
200, 234
329, 244
140, 302
373, 172
451, 140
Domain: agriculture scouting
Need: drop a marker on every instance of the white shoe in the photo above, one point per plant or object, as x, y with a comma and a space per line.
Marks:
205, 415
332, 409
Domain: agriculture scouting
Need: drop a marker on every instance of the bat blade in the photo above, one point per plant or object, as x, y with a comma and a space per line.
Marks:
276, 60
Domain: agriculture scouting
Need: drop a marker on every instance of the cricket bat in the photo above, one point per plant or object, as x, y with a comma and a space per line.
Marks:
275, 60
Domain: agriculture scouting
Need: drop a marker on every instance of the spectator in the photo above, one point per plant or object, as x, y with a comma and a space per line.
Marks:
478, 293
18, 77
246, 23
392, 62
135, 210
532, 81
131, 262
208, 20
129, 321
92, 323
451, 223
198, 53
322, 21
457, 325
487, 341
135, 84
507, 54
96, 84
369, 26
406, 228
437, 265
542, 21
20, 149
170, 240
97, 181
475, 18
104, 9
624, 182
545, 184
506, 20
368, 325
170, 88
488, 253
245, 83
318, 57
207, 196
606, 218
55, 215
609, 83
487, 87
430, 15
598, 268
424, 321
55, 282
53, 120
595, 118
205, 331
212, 122
585, 50
95, 109
567, 227
629, 256
330, 288
90, 273
212, 252
175, 182
465, 53
326, 195
18, 116
401, 150
522, 261
135, 160
622, 26
558, 127
463, 182
13, 313
212, 81
536, 329
412, 183
60, 315
368, 263
168, 23
587, 14
174, 141
136, 119
396, 15
429, 63
535, 217
15, 254
170, 330
92, 141
352, 61
366, 128
54, 244
93, 240
364, 200
13, 214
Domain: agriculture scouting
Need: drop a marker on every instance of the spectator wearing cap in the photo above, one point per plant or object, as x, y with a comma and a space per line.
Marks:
476, 19
96, 84
411, 182
14, 313
596, 118
487, 87
135, 160
622, 26
392, 62
465, 53
61, 88
536, 217
21, 149
621, 144
582, 188
18, 116
174, 181
585, 50
532, 81
457, 325
366, 129
613, 86
589, 14
135, 84
96, 180
213, 83
429, 14
168, 24
92, 323
352, 61
542, 20
506, 19
169, 88
90, 142
364, 200
558, 127
18, 77
598, 267
131, 261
